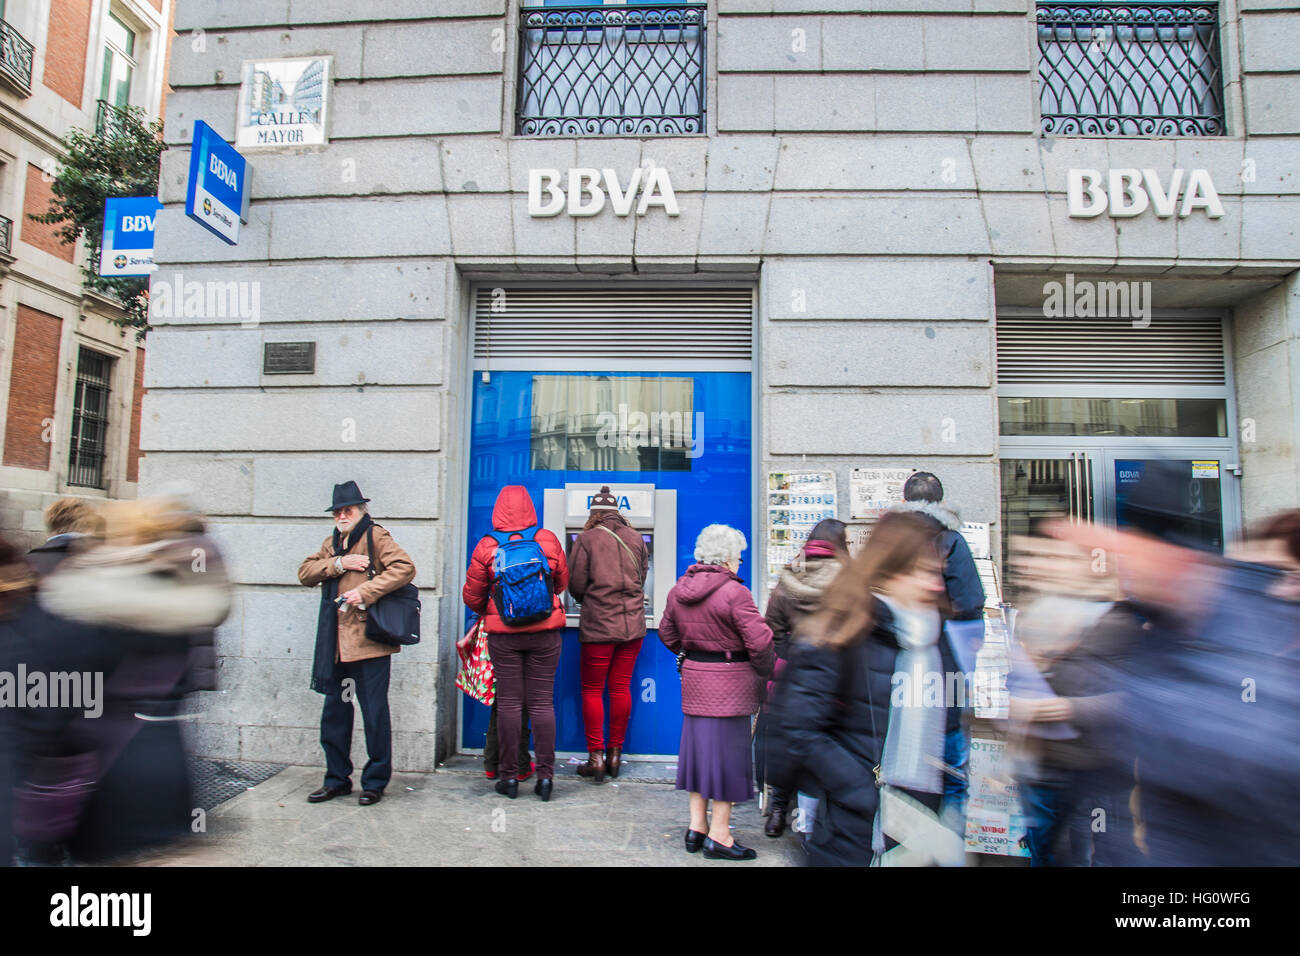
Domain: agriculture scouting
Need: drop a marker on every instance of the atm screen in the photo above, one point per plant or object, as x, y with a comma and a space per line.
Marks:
571, 606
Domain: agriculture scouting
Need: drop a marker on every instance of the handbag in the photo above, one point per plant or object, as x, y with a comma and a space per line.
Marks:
476, 676
395, 617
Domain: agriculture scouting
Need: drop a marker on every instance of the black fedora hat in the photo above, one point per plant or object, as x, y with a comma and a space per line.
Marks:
346, 494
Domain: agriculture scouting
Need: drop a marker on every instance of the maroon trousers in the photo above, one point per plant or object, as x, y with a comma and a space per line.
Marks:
525, 671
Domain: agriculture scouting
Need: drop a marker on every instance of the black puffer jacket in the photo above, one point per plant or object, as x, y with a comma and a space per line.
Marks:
960, 576
834, 719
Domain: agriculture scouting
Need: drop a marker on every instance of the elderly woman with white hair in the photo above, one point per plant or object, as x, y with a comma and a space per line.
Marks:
711, 618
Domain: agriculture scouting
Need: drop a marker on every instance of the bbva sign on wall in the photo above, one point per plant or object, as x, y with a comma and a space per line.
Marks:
1129, 192
586, 191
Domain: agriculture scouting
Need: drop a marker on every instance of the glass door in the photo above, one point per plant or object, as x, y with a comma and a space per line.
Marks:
1198, 490
1042, 485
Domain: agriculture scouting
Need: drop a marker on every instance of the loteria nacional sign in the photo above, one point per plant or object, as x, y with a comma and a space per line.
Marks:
587, 190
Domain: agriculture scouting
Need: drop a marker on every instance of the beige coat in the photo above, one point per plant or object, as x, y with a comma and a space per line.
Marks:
394, 569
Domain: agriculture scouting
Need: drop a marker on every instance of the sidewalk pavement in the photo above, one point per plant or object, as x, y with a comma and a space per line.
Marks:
455, 818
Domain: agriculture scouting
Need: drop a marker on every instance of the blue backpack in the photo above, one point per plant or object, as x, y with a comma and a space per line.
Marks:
521, 579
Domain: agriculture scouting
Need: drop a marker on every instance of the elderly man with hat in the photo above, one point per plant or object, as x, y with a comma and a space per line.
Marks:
608, 563
353, 577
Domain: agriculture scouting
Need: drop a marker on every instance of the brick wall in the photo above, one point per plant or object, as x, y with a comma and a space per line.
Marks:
137, 404
65, 48
36, 201
33, 384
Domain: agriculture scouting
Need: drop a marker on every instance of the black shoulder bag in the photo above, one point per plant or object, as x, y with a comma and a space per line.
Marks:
395, 617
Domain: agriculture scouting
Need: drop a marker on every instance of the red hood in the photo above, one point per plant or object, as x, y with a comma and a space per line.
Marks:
514, 509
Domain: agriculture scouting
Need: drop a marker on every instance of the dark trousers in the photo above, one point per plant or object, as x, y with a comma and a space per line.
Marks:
1066, 827
492, 750
370, 681
525, 671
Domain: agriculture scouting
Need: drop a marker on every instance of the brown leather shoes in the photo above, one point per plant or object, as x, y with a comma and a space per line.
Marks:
328, 793
614, 761
594, 767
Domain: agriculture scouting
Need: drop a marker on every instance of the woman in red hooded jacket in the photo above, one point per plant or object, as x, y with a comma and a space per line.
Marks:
524, 657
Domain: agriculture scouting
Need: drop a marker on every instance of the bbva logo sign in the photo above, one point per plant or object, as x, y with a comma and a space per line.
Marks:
586, 196
1129, 192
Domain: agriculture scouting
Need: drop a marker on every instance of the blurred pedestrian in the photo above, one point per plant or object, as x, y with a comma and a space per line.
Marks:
796, 596
356, 566
112, 778
608, 563
711, 618
870, 688
515, 576
1073, 752
72, 524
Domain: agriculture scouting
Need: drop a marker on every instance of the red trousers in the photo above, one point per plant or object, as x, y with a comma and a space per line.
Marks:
612, 663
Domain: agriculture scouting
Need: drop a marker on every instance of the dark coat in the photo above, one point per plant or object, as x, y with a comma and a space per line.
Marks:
44, 558
960, 576
834, 718
514, 511
709, 609
797, 594
608, 581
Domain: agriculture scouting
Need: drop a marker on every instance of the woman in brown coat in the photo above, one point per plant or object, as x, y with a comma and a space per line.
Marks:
607, 571
344, 566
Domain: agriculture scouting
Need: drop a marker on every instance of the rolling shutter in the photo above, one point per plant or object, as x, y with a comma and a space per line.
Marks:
629, 324
1178, 350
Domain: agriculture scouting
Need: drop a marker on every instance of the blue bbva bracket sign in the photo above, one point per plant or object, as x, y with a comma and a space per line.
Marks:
127, 249
217, 194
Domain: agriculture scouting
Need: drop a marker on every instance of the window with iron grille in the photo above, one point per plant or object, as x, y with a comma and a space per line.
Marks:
626, 69
1119, 69
90, 420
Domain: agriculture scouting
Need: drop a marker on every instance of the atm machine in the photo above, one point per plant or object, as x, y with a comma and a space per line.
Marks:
650, 510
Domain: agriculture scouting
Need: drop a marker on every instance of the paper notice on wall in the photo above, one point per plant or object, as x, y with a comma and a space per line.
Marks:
988, 573
995, 818
976, 534
1205, 469
873, 491
796, 501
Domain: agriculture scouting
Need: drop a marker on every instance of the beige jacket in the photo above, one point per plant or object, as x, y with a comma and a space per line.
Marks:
394, 568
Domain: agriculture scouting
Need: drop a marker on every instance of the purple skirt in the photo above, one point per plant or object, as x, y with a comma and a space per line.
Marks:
716, 759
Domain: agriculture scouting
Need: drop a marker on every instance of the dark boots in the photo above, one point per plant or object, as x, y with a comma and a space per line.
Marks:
614, 760
776, 820
594, 767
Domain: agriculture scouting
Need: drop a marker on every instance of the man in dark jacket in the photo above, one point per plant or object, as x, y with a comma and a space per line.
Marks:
923, 494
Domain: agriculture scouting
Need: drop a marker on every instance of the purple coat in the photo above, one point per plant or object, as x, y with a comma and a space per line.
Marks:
709, 609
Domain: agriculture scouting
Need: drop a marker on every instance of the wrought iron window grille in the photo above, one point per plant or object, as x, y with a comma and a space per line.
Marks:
1122, 69
89, 445
627, 70
6, 234
109, 119
16, 58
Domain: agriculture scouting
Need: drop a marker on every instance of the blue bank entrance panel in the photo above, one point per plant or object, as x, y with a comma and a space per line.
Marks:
674, 445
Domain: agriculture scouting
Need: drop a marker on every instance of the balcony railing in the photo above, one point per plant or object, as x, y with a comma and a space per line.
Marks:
15, 59
6, 235
109, 119
634, 69
1119, 69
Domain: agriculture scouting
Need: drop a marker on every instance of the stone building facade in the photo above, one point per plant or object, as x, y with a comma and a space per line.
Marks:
883, 181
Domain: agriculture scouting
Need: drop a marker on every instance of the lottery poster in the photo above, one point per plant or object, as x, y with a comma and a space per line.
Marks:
873, 491
995, 819
796, 501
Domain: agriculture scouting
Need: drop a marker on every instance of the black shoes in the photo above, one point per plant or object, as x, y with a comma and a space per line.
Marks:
507, 788
775, 825
328, 793
543, 789
694, 840
716, 851
370, 796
